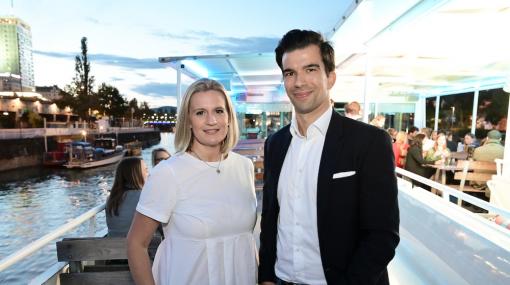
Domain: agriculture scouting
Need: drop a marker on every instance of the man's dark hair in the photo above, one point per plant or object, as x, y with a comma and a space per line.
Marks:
298, 39
412, 130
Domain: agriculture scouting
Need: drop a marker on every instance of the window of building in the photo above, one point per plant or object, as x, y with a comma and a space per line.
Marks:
430, 112
492, 111
455, 112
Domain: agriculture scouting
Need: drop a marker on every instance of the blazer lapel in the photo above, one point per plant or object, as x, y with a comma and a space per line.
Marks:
332, 145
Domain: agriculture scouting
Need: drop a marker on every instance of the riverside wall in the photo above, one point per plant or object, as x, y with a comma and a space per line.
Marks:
28, 152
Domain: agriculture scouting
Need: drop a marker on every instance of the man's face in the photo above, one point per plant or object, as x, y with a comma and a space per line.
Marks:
305, 80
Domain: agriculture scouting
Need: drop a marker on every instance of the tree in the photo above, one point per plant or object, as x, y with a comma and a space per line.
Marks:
144, 110
66, 100
31, 119
81, 87
110, 102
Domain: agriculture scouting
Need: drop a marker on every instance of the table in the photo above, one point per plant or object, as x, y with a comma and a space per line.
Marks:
441, 172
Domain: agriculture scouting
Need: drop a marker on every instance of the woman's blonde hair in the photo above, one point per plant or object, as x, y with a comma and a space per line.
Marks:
183, 132
401, 137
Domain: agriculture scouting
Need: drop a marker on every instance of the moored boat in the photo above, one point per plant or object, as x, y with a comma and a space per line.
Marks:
84, 155
57, 158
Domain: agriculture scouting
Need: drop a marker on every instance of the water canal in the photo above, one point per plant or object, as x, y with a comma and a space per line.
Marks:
36, 201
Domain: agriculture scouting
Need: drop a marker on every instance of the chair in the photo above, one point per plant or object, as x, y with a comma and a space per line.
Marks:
473, 176
87, 256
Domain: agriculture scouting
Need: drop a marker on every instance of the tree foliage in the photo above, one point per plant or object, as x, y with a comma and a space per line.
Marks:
110, 102
79, 94
83, 100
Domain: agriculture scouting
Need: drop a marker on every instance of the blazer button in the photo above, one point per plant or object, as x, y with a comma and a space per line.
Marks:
327, 269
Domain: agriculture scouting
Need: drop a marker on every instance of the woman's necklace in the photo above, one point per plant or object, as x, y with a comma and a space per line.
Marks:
212, 166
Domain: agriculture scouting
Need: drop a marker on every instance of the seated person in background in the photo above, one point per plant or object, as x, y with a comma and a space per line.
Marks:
158, 155
415, 161
121, 204
393, 134
353, 110
434, 135
439, 150
492, 148
451, 141
378, 121
470, 141
428, 143
400, 147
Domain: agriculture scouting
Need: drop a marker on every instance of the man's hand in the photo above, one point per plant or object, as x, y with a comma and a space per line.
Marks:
267, 283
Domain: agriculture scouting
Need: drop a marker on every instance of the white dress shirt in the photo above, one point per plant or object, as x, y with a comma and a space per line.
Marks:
298, 254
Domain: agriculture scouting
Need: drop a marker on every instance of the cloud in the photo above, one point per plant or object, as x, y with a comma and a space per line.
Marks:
242, 45
126, 62
56, 54
107, 59
214, 44
157, 89
96, 21
190, 35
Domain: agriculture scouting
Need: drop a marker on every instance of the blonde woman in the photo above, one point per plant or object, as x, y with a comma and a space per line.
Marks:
400, 147
205, 197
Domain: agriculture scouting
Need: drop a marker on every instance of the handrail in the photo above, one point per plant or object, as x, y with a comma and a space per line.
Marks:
36, 245
447, 191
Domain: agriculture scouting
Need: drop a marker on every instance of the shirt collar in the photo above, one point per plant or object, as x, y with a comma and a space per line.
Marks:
321, 124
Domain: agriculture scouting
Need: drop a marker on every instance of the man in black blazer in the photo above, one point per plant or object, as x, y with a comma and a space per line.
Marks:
330, 212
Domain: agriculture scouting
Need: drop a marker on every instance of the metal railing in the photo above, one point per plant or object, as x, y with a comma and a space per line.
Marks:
91, 214
24, 133
448, 191
38, 244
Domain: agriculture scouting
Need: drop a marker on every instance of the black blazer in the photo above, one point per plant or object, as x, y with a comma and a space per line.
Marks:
357, 216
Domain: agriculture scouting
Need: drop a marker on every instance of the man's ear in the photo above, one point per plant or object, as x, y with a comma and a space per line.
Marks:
331, 79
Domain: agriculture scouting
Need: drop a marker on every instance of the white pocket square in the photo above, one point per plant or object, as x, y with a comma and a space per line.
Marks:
343, 174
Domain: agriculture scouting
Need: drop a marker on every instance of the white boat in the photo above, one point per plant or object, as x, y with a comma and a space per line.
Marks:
83, 155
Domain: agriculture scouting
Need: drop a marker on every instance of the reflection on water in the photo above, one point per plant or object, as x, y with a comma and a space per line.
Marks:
36, 201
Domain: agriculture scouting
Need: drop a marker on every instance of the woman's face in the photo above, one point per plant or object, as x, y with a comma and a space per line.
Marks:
208, 118
441, 140
434, 135
159, 156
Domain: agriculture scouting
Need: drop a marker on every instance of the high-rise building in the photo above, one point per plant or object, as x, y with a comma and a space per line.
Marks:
16, 63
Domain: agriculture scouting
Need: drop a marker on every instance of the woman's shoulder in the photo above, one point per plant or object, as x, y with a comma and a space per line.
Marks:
172, 161
237, 158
